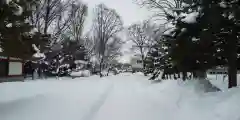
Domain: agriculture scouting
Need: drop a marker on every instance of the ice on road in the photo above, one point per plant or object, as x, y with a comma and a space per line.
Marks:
122, 97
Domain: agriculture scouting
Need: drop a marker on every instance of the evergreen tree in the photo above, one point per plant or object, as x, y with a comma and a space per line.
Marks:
202, 42
16, 35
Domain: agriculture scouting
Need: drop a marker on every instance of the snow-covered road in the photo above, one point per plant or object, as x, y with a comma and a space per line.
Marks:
93, 98
121, 97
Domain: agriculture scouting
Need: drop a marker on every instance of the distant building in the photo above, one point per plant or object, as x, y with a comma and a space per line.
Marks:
136, 63
219, 70
11, 69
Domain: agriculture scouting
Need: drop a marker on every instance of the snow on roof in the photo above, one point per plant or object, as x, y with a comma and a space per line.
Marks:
191, 17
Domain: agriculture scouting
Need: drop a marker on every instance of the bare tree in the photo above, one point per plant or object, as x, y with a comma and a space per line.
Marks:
89, 43
78, 14
144, 36
52, 17
107, 23
163, 9
113, 49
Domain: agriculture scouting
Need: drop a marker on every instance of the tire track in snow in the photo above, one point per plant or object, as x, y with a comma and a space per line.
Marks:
95, 107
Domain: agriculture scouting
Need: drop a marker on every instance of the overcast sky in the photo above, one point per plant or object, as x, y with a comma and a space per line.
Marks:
127, 9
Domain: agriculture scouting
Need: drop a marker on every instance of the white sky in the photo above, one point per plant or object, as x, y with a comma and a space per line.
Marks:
128, 10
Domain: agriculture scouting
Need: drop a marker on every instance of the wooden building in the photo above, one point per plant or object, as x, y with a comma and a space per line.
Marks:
11, 69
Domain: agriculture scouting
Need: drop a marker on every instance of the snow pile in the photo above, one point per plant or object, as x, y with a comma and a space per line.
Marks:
188, 102
81, 73
104, 73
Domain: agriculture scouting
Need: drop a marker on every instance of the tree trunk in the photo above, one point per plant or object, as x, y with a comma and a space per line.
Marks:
184, 76
201, 74
170, 76
179, 76
194, 74
232, 61
101, 67
174, 76
46, 19
163, 75
142, 56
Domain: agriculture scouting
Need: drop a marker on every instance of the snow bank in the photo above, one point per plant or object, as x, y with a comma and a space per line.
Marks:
81, 73
104, 73
187, 102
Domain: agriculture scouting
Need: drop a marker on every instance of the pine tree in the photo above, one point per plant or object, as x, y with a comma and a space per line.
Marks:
203, 42
15, 30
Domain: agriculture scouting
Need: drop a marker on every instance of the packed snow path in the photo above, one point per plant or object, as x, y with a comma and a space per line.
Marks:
121, 97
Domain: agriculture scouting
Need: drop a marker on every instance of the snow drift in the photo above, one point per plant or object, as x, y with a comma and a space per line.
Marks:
81, 73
